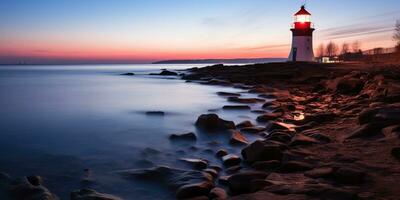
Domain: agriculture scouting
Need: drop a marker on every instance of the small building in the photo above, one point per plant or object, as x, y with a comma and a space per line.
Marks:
302, 43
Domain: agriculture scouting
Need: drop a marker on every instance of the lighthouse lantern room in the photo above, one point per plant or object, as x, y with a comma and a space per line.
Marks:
302, 43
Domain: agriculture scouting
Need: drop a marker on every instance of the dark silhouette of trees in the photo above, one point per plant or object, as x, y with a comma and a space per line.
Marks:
345, 48
356, 47
396, 35
331, 49
321, 50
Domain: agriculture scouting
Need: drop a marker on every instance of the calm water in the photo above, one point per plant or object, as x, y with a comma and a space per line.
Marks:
57, 121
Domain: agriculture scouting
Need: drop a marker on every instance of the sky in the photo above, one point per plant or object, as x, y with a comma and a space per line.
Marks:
137, 31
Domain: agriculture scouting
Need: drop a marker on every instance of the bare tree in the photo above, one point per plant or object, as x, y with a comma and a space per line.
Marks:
396, 35
356, 46
321, 50
345, 48
331, 49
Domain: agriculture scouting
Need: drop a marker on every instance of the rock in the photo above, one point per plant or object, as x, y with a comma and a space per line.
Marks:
128, 74
218, 193
22, 189
223, 180
165, 73
236, 107
280, 137
88, 194
196, 163
389, 115
212, 172
266, 165
295, 166
247, 182
321, 137
212, 122
186, 136
237, 138
349, 175
396, 152
264, 195
302, 140
233, 169
155, 113
367, 131
253, 130
318, 118
187, 184
5, 180
35, 180
259, 151
220, 153
228, 94
349, 86
231, 160
323, 172
244, 124
268, 117
245, 100
277, 126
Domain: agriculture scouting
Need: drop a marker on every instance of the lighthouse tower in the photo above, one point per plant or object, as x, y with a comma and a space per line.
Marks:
302, 43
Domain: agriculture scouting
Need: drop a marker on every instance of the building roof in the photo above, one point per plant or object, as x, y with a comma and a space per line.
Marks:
302, 11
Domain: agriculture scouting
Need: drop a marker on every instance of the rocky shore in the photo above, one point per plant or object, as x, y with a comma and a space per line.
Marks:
328, 131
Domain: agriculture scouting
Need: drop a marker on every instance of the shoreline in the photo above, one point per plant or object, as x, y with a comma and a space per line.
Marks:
331, 132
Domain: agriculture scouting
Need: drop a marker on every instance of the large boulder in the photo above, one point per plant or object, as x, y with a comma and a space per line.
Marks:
247, 182
260, 151
88, 194
212, 122
187, 184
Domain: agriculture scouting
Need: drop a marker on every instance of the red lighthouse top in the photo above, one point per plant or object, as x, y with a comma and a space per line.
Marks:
302, 19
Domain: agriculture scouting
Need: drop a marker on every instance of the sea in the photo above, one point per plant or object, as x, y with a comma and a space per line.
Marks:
77, 126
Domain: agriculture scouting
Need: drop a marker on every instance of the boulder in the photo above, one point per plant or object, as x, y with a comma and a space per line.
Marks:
88, 194
186, 136
22, 189
259, 151
236, 107
165, 73
187, 184
218, 193
277, 126
128, 74
295, 166
247, 182
237, 138
231, 160
155, 113
268, 117
212, 122
388, 115
195, 163
220, 153
233, 169
253, 130
266, 165
302, 140
212, 172
244, 124
367, 131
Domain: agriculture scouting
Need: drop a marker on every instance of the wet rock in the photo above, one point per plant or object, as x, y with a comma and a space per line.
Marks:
302, 140
233, 169
277, 126
228, 94
219, 82
247, 182
236, 107
22, 189
268, 117
323, 172
212, 122
295, 166
244, 124
165, 73
280, 137
349, 175
259, 151
245, 100
367, 131
195, 163
396, 152
88, 194
231, 160
237, 138
128, 74
155, 113
349, 86
215, 167
212, 172
321, 137
223, 180
319, 118
186, 136
187, 184
35, 180
218, 193
253, 130
266, 165
220, 153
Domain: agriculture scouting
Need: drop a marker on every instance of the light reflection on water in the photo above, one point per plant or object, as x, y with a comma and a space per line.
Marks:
58, 120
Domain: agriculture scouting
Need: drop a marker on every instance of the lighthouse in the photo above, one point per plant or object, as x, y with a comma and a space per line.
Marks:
302, 43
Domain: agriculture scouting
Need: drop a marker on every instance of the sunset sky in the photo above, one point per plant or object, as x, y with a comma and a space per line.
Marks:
118, 31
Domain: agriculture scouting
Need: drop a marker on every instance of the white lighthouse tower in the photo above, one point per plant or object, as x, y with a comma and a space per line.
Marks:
302, 43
